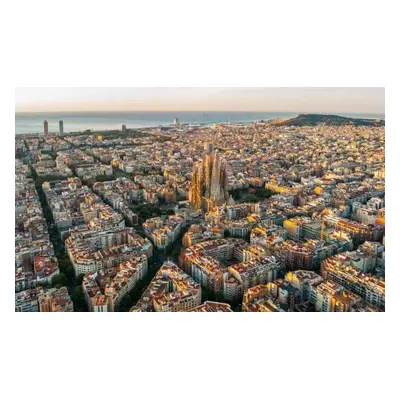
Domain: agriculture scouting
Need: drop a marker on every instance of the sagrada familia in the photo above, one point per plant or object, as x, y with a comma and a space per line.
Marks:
209, 185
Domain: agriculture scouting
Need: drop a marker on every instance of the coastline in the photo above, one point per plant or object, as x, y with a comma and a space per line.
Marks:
164, 120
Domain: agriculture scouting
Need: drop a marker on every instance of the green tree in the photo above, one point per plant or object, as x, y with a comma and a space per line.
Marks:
126, 303
59, 280
219, 297
79, 279
105, 178
237, 308
206, 294
78, 299
64, 263
70, 272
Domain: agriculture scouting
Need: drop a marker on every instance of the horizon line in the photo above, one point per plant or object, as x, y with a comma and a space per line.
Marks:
200, 111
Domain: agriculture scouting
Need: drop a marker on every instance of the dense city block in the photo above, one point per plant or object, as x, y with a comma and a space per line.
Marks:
262, 216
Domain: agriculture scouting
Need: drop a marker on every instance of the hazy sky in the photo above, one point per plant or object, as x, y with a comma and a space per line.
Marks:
345, 100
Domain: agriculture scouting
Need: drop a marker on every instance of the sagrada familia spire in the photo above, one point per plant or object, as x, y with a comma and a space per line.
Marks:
209, 185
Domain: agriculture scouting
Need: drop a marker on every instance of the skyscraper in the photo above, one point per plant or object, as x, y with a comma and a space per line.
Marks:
209, 184
45, 128
60, 127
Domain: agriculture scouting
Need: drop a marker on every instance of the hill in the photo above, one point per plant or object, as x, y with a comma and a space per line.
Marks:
337, 120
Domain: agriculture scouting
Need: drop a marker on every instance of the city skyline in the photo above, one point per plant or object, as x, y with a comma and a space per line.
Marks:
299, 99
233, 211
260, 216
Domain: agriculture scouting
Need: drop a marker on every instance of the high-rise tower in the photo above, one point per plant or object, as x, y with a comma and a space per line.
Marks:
60, 127
45, 127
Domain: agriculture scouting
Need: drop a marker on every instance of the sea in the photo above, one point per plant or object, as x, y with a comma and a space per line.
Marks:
32, 122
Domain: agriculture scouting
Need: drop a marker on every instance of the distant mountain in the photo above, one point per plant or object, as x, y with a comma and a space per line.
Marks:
321, 119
